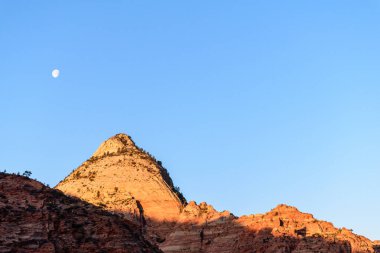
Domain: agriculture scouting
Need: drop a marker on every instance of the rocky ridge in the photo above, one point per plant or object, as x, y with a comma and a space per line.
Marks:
35, 218
124, 179
283, 229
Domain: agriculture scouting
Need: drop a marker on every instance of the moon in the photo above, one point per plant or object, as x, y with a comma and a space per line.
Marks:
55, 73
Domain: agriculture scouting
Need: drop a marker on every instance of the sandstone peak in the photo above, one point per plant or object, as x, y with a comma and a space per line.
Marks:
124, 179
117, 143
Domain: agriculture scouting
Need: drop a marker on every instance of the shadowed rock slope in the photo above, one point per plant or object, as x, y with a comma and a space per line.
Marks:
128, 181
35, 218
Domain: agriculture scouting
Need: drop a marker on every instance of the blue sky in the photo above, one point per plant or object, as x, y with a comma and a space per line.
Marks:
249, 104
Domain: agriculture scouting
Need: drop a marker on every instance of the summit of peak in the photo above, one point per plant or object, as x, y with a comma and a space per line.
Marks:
290, 212
115, 144
125, 138
283, 208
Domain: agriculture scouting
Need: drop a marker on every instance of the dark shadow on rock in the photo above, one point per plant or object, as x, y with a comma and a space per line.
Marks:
36, 218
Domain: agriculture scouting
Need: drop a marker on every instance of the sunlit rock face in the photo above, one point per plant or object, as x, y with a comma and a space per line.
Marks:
35, 218
124, 179
284, 229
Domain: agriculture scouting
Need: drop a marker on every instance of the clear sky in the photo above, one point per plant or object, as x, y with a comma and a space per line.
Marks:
249, 104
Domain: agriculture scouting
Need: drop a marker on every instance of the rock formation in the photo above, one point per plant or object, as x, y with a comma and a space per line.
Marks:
283, 229
35, 218
126, 180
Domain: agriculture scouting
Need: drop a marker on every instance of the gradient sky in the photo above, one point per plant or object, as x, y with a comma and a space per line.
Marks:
249, 104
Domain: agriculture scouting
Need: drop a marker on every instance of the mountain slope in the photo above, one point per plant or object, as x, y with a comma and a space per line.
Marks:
126, 180
35, 218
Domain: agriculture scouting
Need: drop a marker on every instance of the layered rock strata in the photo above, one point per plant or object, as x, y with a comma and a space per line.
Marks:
284, 229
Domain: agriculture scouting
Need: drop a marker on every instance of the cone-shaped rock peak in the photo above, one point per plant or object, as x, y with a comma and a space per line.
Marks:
115, 144
123, 178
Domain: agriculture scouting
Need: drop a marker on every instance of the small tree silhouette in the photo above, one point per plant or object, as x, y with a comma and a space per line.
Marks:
27, 173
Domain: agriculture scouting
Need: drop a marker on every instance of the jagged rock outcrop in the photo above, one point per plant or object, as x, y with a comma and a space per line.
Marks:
35, 218
126, 180
283, 229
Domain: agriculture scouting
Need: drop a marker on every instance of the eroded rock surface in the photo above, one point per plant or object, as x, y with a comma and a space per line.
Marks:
125, 179
35, 218
283, 229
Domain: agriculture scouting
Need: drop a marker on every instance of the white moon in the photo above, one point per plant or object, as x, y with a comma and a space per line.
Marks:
55, 73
